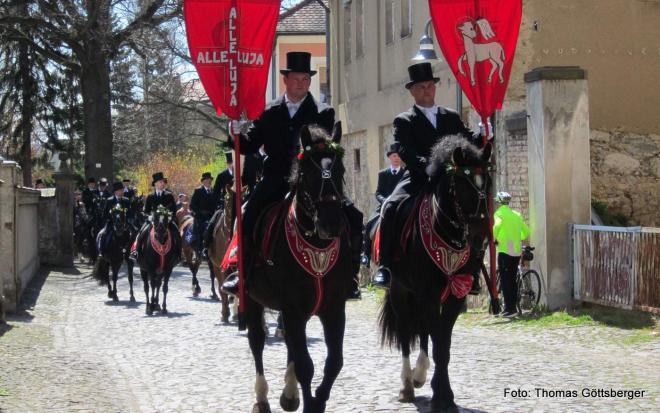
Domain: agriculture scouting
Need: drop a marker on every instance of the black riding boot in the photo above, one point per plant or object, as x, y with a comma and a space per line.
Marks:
384, 273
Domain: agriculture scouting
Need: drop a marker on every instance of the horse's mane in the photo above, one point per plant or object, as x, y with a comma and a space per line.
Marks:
318, 134
441, 154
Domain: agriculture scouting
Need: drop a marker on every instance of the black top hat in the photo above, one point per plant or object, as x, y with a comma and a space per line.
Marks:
126, 180
116, 186
104, 181
298, 62
206, 175
394, 148
420, 72
229, 157
158, 176
91, 180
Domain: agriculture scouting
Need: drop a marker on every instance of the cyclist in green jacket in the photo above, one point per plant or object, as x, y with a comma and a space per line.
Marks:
509, 231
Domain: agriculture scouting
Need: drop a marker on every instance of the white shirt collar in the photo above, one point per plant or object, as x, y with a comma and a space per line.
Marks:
231, 171
293, 107
431, 113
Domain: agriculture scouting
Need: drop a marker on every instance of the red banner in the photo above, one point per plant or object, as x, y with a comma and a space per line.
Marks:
478, 39
230, 43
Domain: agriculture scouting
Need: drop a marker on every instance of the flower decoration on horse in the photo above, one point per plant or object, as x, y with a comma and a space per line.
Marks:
118, 209
333, 148
162, 211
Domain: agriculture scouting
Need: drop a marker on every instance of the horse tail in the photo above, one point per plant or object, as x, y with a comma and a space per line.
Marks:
399, 327
101, 272
387, 322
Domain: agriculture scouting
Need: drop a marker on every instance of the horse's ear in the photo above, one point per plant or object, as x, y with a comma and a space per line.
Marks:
336, 133
305, 136
457, 157
487, 152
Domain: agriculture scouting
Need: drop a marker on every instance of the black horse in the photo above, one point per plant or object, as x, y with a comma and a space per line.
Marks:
443, 231
309, 234
117, 250
160, 253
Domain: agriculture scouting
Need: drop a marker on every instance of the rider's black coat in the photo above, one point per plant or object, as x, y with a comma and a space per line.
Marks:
203, 203
88, 197
279, 133
166, 199
417, 136
386, 183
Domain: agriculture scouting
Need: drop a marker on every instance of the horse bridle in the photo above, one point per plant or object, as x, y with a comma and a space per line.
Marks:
308, 204
460, 223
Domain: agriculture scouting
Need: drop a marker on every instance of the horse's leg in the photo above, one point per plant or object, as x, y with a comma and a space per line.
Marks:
129, 268
423, 362
225, 298
257, 340
440, 326
214, 295
279, 331
165, 288
493, 68
407, 392
290, 398
296, 342
156, 292
115, 275
145, 283
334, 324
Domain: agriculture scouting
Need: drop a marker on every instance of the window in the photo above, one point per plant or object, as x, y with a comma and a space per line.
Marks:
356, 160
389, 21
347, 33
406, 18
359, 28
323, 84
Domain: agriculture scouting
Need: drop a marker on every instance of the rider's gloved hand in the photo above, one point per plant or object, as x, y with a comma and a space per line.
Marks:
482, 130
236, 126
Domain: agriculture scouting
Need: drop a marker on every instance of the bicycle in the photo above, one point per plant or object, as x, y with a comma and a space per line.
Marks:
528, 281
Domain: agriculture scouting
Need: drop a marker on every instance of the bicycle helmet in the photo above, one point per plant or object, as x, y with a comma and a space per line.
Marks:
503, 197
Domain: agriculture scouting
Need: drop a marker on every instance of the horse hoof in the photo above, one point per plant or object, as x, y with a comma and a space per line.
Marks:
261, 407
109, 294
195, 293
132, 299
149, 311
115, 298
279, 333
225, 319
163, 311
289, 405
156, 307
197, 290
214, 297
407, 395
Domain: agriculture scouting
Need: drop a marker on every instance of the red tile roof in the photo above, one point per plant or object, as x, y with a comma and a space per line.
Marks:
307, 17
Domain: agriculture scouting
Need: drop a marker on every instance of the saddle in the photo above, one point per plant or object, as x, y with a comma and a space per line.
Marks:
405, 219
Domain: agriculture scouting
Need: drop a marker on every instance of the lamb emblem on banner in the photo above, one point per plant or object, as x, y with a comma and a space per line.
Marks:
480, 52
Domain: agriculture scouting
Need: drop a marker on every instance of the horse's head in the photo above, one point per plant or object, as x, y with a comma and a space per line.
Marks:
118, 217
161, 221
460, 177
318, 180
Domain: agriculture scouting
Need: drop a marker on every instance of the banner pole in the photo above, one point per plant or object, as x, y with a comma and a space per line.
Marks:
491, 242
242, 324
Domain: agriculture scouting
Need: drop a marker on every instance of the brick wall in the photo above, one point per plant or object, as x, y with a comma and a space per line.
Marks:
511, 160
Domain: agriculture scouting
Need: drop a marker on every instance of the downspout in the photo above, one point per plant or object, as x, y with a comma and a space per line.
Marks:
273, 75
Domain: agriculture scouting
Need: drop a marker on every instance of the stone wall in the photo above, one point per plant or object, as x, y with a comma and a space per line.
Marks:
511, 161
357, 187
625, 174
49, 232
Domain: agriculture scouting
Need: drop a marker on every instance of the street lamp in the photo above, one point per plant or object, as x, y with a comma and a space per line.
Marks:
426, 50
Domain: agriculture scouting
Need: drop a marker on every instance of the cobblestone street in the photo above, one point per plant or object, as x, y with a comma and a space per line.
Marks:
72, 349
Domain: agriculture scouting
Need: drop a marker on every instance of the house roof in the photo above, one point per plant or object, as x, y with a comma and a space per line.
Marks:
307, 17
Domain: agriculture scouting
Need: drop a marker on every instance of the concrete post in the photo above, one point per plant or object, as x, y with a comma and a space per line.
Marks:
559, 172
64, 187
10, 175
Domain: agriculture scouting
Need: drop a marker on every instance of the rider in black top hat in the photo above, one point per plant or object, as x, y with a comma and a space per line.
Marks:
116, 199
160, 196
417, 131
278, 129
203, 204
224, 179
90, 194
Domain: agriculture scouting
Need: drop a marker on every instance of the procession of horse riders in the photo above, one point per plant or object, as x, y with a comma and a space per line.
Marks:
269, 145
